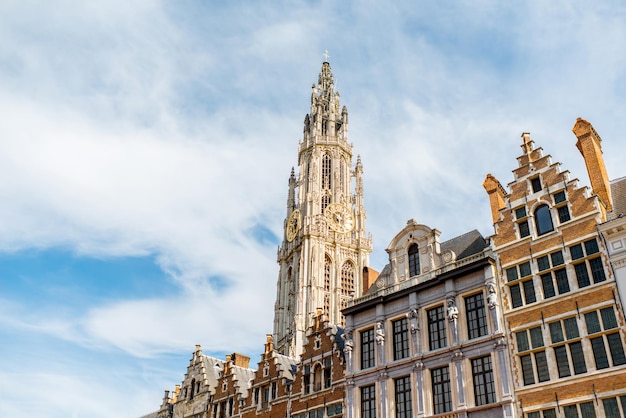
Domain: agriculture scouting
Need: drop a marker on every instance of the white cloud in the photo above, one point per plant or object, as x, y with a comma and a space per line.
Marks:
151, 129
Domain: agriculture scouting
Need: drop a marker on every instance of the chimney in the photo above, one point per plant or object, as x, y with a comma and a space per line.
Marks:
239, 360
496, 193
269, 344
369, 277
590, 146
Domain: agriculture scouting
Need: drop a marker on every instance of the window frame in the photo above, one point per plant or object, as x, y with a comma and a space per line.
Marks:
476, 316
413, 254
403, 396
437, 330
441, 389
587, 263
400, 338
482, 377
521, 292
368, 355
605, 338
543, 216
368, 401
531, 352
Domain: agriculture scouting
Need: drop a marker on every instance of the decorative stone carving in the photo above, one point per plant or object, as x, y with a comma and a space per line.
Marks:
448, 256
453, 311
413, 319
492, 300
348, 344
380, 333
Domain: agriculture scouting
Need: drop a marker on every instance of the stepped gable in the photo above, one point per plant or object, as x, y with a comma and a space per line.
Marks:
239, 375
315, 342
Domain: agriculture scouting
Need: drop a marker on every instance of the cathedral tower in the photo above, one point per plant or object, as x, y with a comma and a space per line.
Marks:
325, 246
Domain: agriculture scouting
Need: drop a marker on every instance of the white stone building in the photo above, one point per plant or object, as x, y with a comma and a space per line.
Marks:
427, 339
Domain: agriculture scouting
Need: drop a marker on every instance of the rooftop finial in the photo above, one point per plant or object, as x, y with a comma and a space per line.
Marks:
326, 55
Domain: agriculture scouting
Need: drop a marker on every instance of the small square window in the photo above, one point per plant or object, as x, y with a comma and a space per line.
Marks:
593, 323
576, 251
524, 230
591, 246
563, 213
557, 258
556, 332
524, 269
536, 337
511, 274
520, 212
608, 318
522, 341
536, 184
559, 197
543, 263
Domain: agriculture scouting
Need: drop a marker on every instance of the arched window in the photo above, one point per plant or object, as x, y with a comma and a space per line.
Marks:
342, 174
317, 378
327, 283
414, 260
543, 220
327, 268
326, 172
347, 279
325, 200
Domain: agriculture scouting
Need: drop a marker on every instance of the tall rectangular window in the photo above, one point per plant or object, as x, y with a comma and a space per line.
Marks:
476, 316
553, 276
604, 337
367, 348
568, 356
591, 266
404, 407
400, 339
536, 184
368, 402
328, 372
482, 374
534, 364
437, 328
442, 396
521, 286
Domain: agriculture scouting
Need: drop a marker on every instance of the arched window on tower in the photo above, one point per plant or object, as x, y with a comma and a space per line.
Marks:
326, 171
327, 284
543, 220
414, 260
327, 268
342, 173
347, 279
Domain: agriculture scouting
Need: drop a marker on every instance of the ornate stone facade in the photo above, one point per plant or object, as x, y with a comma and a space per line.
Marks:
428, 340
326, 246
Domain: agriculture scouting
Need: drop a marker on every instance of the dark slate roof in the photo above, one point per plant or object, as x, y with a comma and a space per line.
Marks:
465, 245
618, 194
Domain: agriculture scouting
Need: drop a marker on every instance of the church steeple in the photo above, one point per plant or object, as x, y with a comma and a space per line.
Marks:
326, 244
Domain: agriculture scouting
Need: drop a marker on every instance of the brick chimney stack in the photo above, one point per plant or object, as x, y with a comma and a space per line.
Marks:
496, 193
590, 146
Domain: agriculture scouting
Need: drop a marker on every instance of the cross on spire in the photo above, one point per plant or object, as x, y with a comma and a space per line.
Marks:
326, 55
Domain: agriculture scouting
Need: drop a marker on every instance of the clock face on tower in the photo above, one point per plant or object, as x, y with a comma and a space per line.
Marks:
339, 218
293, 225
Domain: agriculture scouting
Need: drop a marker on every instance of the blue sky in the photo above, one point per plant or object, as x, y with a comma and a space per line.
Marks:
145, 149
